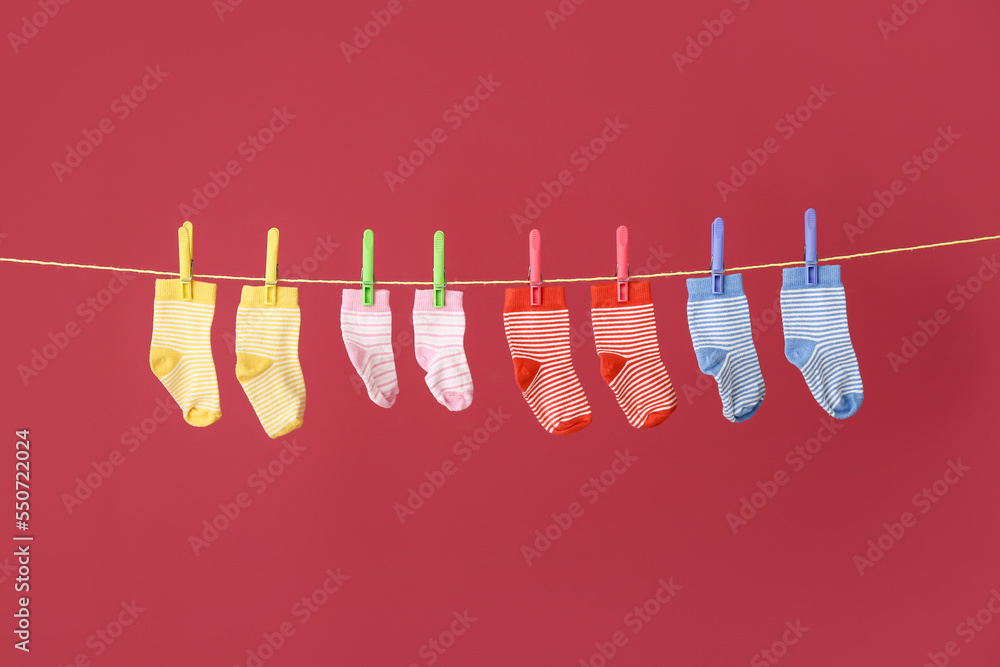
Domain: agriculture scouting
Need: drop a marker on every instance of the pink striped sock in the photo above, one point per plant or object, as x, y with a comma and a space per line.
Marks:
367, 332
438, 335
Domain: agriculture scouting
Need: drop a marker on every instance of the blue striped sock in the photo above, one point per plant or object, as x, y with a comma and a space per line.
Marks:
817, 340
720, 331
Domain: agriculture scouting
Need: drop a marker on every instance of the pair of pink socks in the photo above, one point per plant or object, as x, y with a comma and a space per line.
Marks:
438, 339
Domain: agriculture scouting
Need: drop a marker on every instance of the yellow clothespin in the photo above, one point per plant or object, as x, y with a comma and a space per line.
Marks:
185, 243
271, 271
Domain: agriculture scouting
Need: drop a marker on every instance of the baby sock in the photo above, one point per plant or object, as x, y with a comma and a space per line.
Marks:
723, 343
180, 354
438, 335
538, 337
625, 334
367, 332
267, 357
817, 340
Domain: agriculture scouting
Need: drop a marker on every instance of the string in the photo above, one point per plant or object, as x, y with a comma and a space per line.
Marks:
666, 274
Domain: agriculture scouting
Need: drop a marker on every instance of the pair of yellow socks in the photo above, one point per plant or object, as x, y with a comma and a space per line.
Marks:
267, 353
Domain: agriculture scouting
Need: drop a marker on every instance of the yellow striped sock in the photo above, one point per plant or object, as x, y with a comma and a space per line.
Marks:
180, 353
267, 358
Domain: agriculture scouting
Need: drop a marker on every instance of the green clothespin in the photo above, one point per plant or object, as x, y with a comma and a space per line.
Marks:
439, 279
368, 268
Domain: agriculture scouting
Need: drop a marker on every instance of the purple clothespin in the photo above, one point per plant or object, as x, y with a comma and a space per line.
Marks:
812, 270
718, 234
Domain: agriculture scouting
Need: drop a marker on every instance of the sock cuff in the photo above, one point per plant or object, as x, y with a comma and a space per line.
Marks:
795, 277
353, 301
519, 298
700, 289
606, 295
423, 299
172, 290
256, 297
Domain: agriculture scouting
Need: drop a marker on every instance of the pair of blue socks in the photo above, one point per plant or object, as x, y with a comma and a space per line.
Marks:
817, 341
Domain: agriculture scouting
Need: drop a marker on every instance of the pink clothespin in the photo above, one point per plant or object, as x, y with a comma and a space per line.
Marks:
535, 266
622, 267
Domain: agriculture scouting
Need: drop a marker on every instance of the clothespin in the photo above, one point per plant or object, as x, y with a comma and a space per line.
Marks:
622, 267
812, 270
185, 242
271, 270
439, 279
718, 238
535, 266
368, 268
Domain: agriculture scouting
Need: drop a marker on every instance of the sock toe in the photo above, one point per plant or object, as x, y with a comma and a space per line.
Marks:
202, 417
287, 428
383, 399
656, 418
571, 425
847, 406
456, 400
743, 414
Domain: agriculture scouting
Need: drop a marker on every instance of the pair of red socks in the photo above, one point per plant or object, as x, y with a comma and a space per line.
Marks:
625, 335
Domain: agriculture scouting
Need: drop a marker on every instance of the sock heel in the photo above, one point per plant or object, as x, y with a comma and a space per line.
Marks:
799, 351
611, 365
162, 360
249, 366
710, 360
525, 372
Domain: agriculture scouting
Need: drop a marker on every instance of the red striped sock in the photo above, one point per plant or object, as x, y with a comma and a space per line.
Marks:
539, 344
625, 334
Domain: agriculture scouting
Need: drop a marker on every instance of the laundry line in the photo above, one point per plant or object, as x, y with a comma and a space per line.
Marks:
519, 281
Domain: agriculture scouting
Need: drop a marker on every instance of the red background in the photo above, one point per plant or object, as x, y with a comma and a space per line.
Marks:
323, 177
